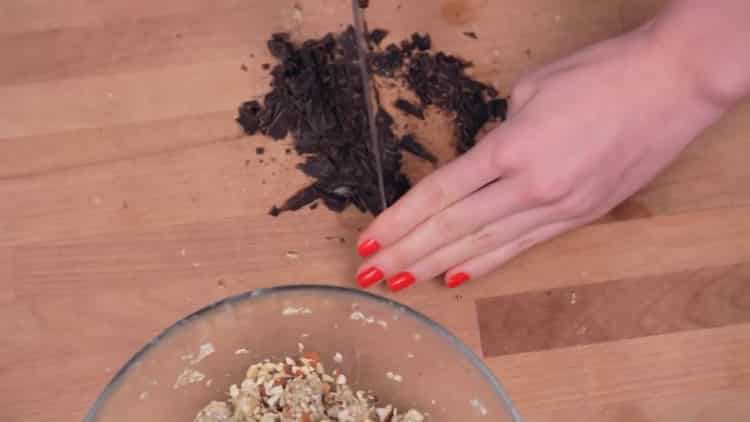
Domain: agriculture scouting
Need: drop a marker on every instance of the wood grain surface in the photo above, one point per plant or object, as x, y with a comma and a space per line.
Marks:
129, 198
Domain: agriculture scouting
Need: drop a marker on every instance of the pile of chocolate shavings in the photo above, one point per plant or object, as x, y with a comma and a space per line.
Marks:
440, 79
318, 97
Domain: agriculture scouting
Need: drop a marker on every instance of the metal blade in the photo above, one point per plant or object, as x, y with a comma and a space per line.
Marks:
370, 99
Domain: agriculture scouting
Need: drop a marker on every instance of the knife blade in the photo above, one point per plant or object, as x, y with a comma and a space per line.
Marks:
370, 95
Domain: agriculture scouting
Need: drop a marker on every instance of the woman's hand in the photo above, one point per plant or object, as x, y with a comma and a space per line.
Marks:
583, 135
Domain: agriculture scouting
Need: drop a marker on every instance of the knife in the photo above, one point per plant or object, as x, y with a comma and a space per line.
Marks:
370, 95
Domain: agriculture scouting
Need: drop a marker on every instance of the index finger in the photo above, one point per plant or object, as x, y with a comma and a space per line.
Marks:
447, 185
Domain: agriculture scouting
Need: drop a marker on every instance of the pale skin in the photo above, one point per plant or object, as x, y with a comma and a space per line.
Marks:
583, 135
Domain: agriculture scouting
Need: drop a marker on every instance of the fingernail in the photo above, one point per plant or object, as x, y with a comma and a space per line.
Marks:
369, 277
368, 248
401, 281
457, 279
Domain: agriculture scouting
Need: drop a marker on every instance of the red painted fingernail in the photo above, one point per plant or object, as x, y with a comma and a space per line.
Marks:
401, 281
368, 248
369, 277
457, 279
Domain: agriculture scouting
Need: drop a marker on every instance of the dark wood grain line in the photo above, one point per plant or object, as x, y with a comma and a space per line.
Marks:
615, 310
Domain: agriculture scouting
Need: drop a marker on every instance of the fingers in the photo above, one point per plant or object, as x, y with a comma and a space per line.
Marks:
485, 264
493, 203
490, 238
435, 193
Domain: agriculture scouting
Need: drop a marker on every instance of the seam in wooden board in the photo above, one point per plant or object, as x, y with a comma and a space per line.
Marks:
113, 20
166, 151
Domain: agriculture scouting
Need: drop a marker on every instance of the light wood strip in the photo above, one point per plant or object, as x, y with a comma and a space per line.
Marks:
708, 406
681, 364
615, 310
44, 15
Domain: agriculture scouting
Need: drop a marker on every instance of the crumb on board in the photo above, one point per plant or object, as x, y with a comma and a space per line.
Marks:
293, 311
394, 376
187, 377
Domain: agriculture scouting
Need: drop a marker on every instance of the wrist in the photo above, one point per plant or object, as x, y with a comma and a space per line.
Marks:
712, 62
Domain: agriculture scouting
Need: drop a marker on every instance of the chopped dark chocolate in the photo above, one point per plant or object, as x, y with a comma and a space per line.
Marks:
422, 42
440, 80
377, 36
471, 34
409, 144
409, 108
318, 96
249, 117
260, 151
300, 199
387, 62
498, 109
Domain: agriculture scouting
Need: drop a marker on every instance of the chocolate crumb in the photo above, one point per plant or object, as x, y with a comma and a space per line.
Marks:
260, 150
243, 67
422, 42
409, 144
471, 34
377, 36
409, 108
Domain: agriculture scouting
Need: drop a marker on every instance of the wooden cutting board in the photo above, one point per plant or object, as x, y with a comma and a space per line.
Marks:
129, 198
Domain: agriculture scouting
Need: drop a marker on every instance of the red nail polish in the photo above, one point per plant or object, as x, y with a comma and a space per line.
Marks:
369, 277
368, 248
457, 279
401, 281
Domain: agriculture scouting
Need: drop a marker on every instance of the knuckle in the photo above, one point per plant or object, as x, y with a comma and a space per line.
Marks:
446, 225
546, 190
507, 159
484, 239
578, 206
436, 194
392, 262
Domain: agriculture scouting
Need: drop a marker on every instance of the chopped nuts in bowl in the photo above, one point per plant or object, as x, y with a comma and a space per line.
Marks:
304, 354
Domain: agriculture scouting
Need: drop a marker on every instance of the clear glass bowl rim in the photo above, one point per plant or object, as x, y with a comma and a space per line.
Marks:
258, 294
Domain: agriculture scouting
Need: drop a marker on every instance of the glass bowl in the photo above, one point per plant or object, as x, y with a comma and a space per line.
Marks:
402, 356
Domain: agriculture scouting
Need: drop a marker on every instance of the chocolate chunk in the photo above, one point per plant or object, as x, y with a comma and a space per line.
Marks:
301, 199
387, 62
498, 108
409, 108
471, 34
249, 117
409, 144
260, 151
422, 42
377, 36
